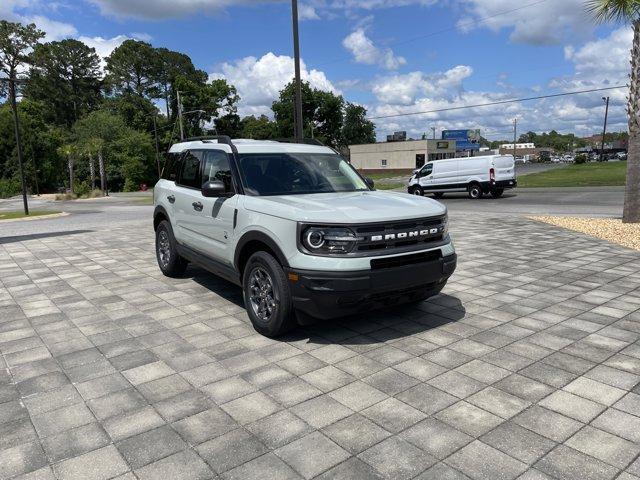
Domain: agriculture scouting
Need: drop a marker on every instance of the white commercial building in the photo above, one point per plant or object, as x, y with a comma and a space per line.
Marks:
407, 155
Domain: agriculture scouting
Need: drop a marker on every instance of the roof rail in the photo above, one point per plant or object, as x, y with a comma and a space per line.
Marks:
220, 138
306, 141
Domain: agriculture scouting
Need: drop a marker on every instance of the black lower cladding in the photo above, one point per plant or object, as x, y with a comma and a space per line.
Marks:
326, 295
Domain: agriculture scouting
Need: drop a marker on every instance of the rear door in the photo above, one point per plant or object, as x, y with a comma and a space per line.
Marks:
188, 199
504, 167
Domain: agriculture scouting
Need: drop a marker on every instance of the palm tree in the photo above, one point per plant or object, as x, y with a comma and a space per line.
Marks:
627, 11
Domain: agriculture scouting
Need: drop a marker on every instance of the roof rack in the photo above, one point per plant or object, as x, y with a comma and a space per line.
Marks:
220, 138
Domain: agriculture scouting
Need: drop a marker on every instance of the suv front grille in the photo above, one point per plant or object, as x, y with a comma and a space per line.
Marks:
398, 235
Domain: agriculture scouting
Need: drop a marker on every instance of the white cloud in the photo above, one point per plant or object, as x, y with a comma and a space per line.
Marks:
365, 51
544, 22
259, 80
406, 89
603, 57
53, 29
104, 46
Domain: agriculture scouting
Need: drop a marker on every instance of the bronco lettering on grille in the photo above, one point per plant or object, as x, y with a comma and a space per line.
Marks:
402, 235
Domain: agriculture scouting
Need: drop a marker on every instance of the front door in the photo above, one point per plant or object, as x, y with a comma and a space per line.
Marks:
215, 222
426, 176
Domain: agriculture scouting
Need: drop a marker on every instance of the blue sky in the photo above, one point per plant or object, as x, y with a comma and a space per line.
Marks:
393, 56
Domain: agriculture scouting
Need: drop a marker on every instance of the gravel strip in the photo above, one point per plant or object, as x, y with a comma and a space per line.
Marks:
611, 229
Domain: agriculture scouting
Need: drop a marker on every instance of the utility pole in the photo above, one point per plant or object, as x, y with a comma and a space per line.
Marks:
16, 125
180, 115
433, 129
515, 137
155, 134
298, 130
604, 130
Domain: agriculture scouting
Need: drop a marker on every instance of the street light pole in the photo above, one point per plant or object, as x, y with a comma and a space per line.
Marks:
298, 130
515, 136
16, 125
180, 115
155, 134
604, 130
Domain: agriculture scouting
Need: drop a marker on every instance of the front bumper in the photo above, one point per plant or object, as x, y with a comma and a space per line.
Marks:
325, 295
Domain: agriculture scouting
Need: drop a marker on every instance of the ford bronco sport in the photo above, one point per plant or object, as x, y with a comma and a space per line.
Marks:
298, 228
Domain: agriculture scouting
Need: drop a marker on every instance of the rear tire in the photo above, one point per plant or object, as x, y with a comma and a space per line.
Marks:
438, 195
417, 190
475, 191
169, 261
267, 296
497, 193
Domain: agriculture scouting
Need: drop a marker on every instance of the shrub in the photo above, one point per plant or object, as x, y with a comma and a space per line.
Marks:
81, 189
580, 159
9, 187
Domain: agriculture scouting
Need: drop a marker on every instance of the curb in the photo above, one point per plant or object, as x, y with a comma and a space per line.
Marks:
35, 217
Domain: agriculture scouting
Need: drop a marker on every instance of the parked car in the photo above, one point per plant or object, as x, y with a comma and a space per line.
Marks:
477, 176
298, 228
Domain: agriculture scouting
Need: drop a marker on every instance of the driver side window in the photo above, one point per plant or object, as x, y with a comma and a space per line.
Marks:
426, 170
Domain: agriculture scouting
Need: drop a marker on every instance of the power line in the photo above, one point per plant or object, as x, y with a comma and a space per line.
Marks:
499, 102
444, 30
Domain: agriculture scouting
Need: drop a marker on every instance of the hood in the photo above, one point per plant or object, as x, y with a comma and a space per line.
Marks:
348, 207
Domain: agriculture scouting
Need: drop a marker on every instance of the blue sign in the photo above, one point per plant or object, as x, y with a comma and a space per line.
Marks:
465, 139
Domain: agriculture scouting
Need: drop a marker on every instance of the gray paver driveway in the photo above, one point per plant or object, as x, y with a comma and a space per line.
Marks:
528, 366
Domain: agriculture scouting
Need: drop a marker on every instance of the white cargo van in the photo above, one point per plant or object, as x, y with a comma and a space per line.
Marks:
476, 175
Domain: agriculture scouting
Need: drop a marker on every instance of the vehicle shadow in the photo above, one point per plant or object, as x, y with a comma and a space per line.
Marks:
383, 325
365, 328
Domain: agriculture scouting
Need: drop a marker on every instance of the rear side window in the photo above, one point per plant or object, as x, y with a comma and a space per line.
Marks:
190, 170
171, 166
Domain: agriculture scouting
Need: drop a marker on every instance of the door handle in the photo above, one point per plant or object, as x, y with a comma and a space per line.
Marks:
197, 206
171, 199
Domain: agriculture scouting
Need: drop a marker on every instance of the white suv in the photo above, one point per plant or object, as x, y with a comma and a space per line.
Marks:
298, 229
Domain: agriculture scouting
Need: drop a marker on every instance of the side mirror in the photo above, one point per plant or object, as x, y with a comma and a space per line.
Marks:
370, 182
214, 189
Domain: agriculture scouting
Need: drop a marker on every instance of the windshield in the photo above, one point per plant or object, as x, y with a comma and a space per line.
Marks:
298, 173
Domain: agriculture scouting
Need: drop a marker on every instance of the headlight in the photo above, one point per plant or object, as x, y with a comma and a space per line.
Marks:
329, 240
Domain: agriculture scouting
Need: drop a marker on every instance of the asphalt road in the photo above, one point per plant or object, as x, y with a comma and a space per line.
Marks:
579, 201
122, 210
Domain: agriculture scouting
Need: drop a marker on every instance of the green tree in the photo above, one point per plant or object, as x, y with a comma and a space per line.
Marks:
283, 110
229, 124
66, 77
125, 156
260, 128
627, 11
171, 66
215, 99
16, 40
357, 129
133, 67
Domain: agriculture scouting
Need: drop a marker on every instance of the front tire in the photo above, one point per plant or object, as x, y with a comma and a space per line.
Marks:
267, 296
169, 261
475, 191
417, 190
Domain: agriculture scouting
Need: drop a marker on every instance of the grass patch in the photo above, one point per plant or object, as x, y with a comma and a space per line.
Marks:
386, 174
388, 185
20, 214
605, 174
142, 201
